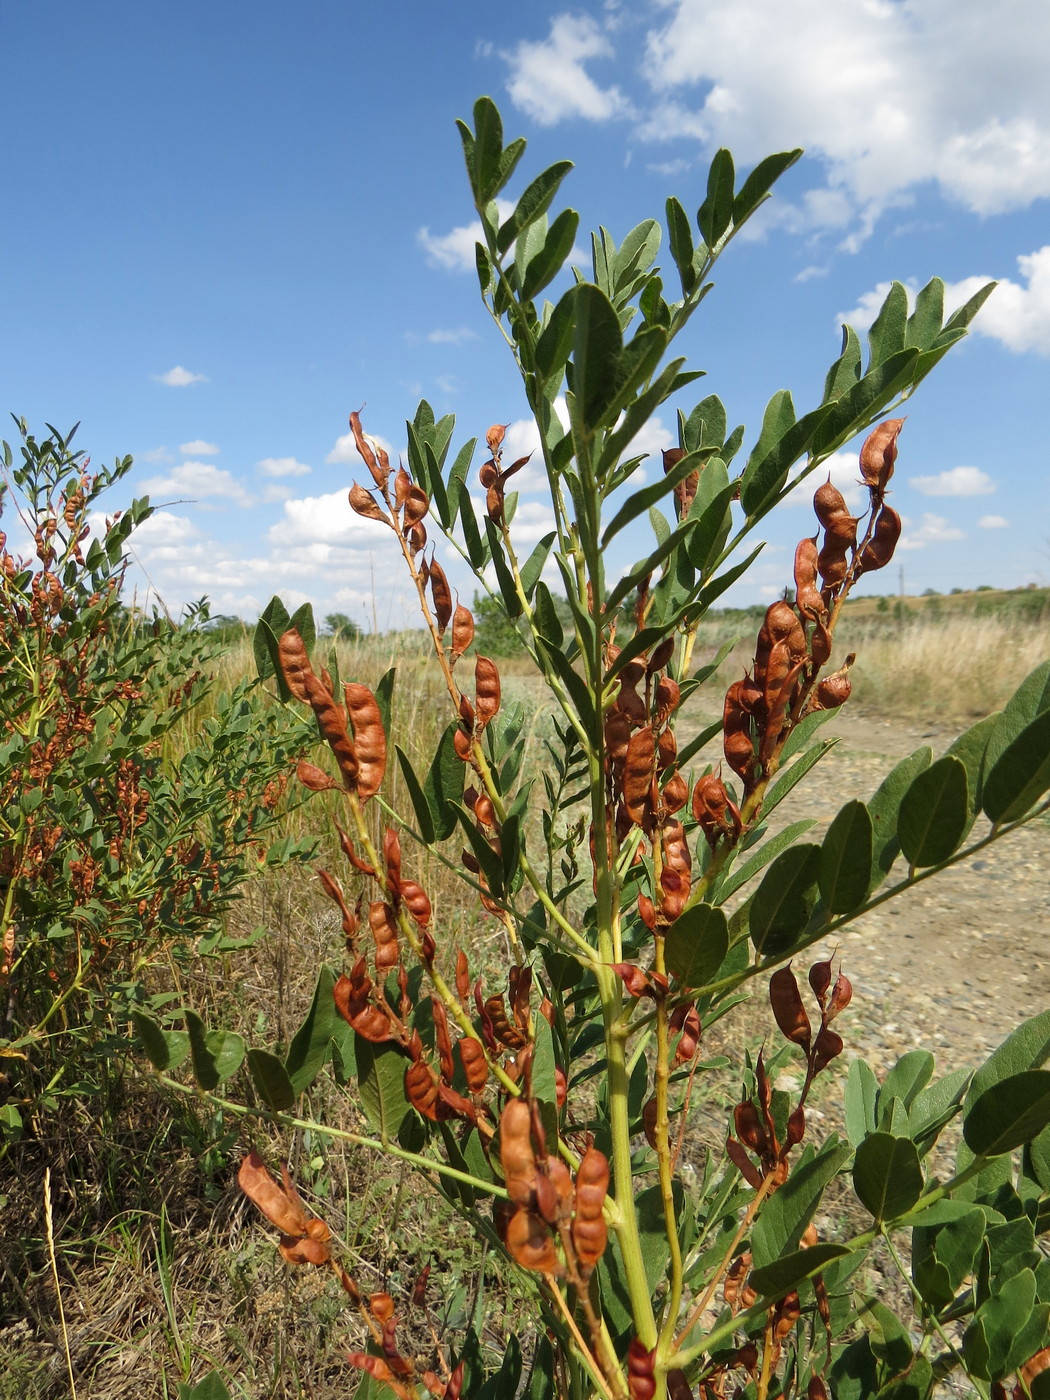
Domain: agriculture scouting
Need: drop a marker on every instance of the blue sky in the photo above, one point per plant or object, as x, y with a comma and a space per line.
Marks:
230, 224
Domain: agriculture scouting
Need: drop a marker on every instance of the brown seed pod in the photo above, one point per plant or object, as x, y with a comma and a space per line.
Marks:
416, 900
442, 596
685, 490
589, 1234
486, 690
421, 1089
462, 631
827, 1045
442, 1039
841, 996
878, 455
353, 1000
516, 1153
314, 778
475, 1065
641, 1371
417, 503
280, 1208
364, 503
294, 662
529, 1243
829, 503
369, 738
334, 892
832, 565
687, 1020
878, 552
831, 692
661, 656
638, 772
375, 459
807, 595
462, 976
675, 793
383, 923
788, 1008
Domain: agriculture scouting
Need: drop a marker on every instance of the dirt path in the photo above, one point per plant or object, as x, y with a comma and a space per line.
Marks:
953, 965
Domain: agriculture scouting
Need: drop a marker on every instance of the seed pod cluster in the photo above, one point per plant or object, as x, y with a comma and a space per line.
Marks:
304, 1238
494, 477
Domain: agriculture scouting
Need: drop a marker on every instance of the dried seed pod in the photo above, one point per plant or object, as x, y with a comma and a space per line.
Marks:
639, 766
788, 1008
668, 694
353, 1000
820, 645
878, 455
529, 1243
494, 436
364, 503
442, 596
462, 976
675, 793
649, 1116
369, 738
314, 778
832, 565
735, 1290
829, 504
334, 892
294, 662
462, 631
878, 552
486, 690
796, 1126
516, 1153
589, 1234
416, 900
841, 996
807, 595
442, 1039
743, 1163
383, 923
417, 503
641, 1371
661, 656
686, 1019
392, 858
820, 980
475, 1065
685, 490
375, 459
503, 1029
831, 692
279, 1208
827, 1045
421, 1089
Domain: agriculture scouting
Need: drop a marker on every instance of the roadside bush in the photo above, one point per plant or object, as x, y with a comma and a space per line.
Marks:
641, 893
114, 859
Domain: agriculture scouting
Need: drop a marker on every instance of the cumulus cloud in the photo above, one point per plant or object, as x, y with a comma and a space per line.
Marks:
320, 522
198, 448
993, 522
956, 481
888, 96
345, 449
197, 481
281, 466
932, 529
1017, 314
548, 80
454, 251
179, 378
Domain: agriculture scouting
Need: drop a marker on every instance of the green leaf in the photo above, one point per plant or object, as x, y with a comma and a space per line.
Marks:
215, 1055
1021, 774
716, 213
857, 406
785, 1275
420, 805
697, 943
271, 1079
1009, 1114
988, 1343
303, 622
782, 903
845, 859
166, 1050
862, 1093
273, 621
597, 347
845, 372
785, 1216
887, 332
641, 500
883, 810
545, 265
936, 1106
756, 187
908, 1077
970, 748
555, 342
212, 1387
444, 785
924, 324
310, 1045
887, 1175
761, 858
533, 204
680, 237
802, 733
933, 813
488, 150
767, 471
381, 1085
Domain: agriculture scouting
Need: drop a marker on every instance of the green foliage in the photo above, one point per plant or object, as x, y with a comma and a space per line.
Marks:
112, 857
637, 897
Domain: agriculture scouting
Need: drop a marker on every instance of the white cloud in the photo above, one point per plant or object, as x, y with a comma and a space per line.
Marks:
457, 335
934, 529
454, 251
993, 522
320, 522
888, 94
956, 481
345, 449
281, 466
198, 448
156, 456
273, 492
195, 481
163, 529
844, 470
548, 80
1016, 315
179, 378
